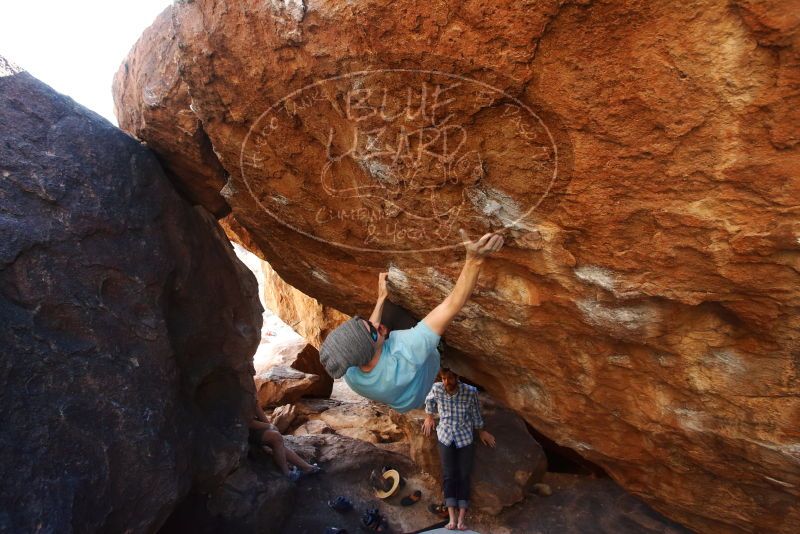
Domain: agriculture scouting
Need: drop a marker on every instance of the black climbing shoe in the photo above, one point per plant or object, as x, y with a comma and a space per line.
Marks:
414, 498
373, 521
341, 504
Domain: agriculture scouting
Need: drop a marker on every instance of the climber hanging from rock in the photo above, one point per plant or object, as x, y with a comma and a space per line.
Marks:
399, 370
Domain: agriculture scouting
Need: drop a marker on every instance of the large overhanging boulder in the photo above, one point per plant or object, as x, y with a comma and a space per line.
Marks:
643, 160
170, 126
127, 326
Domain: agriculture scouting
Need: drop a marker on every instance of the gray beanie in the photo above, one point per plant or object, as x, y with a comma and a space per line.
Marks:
348, 345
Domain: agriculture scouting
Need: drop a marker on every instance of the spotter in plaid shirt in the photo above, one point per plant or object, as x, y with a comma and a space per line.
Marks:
459, 414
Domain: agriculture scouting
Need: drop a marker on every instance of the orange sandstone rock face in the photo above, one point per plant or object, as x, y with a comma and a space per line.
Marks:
642, 159
304, 314
152, 103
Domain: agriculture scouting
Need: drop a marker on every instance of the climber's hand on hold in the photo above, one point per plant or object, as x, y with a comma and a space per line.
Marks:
442, 315
377, 312
427, 425
487, 439
383, 290
479, 249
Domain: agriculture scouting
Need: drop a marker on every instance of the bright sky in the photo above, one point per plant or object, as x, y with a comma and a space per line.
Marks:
75, 46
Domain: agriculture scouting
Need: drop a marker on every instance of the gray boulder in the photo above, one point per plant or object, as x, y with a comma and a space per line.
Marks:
127, 326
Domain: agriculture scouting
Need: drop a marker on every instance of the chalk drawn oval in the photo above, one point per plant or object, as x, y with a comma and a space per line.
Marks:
397, 160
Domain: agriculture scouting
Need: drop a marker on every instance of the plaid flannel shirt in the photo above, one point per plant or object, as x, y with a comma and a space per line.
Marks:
459, 414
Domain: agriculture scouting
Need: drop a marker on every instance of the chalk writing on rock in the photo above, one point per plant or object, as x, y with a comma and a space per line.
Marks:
397, 160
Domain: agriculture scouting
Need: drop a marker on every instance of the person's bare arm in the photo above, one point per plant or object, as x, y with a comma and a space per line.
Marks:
383, 293
260, 415
431, 408
441, 316
255, 423
478, 423
261, 420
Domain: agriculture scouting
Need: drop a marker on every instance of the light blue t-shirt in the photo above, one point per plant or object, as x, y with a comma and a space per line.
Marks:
405, 371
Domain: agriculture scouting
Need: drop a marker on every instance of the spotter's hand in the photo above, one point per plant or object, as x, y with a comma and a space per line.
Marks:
427, 425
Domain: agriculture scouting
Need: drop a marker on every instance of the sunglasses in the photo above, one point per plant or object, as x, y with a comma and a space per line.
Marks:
372, 330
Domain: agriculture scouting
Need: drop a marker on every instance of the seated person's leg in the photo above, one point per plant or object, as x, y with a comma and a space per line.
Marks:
274, 440
295, 459
281, 454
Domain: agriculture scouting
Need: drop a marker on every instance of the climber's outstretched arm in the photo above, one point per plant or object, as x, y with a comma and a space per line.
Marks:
383, 294
441, 316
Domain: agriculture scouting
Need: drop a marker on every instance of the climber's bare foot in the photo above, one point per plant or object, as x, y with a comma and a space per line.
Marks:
461, 526
451, 525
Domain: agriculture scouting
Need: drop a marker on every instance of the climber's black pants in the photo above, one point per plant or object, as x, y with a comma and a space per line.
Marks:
456, 467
